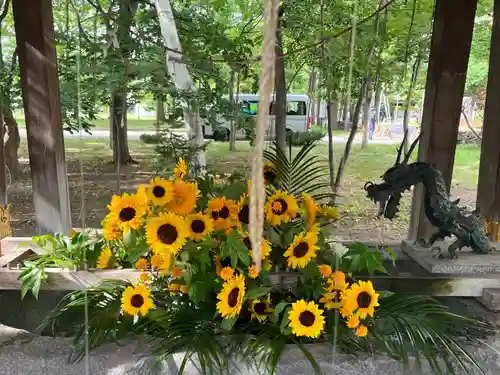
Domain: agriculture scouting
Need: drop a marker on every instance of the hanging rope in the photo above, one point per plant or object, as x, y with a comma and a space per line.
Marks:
257, 190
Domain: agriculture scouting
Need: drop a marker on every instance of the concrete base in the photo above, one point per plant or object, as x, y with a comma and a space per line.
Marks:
22, 353
467, 262
491, 299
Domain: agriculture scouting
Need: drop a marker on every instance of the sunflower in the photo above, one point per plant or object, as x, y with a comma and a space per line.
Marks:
137, 300
160, 191
176, 272
252, 272
111, 228
260, 309
302, 250
362, 331
224, 212
162, 263
267, 264
231, 297
270, 173
226, 273
184, 197
166, 233
306, 319
104, 258
360, 299
144, 277
325, 270
181, 169
265, 249
141, 264
353, 322
281, 208
174, 287
334, 291
128, 210
310, 209
243, 210
156, 261
199, 226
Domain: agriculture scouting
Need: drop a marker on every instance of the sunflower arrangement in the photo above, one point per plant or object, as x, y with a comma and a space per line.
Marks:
188, 240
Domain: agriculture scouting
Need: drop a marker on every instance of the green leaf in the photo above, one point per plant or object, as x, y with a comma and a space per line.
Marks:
134, 253
205, 260
285, 321
130, 239
184, 255
31, 280
228, 324
255, 293
277, 311
198, 290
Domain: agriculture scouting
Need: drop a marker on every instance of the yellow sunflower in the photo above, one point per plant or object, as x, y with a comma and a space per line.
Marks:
325, 270
137, 300
166, 233
270, 173
261, 309
231, 297
360, 299
128, 210
226, 273
111, 228
181, 169
335, 290
141, 264
306, 319
104, 258
224, 213
267, 264
243, 210
265, 247
353, 322
199, 226
160, 191
362, 331
302, 250
310, 209
184, 197
281, 208
252, 272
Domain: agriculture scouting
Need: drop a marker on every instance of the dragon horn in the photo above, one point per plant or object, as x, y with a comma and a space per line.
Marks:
412, 147
400, 149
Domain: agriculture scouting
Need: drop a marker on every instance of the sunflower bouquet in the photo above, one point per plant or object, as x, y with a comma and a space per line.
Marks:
197, 289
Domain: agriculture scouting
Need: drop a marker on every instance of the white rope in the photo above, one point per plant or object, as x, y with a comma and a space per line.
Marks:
257, 190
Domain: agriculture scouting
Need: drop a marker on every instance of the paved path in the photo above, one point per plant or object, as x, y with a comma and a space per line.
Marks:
134, 135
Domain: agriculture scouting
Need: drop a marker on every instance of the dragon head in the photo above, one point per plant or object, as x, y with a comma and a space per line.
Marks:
400, 177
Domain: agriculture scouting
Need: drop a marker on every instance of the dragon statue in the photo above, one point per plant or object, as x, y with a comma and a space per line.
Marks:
442, 213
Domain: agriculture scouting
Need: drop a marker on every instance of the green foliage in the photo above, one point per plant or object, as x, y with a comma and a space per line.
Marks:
302, 138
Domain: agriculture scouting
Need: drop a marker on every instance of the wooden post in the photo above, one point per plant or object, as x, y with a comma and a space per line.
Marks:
488, 188
42, 108
448, 60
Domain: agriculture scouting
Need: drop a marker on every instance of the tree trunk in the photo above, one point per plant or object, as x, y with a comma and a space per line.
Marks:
232, 119
409, 97
121, 153
350, 68
378, 100
12, 143
366, 113
280, 85
318, 102
160, 110
332, 121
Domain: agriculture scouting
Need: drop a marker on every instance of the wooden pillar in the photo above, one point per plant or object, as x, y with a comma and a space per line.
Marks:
488, 188
450, 46
42, 108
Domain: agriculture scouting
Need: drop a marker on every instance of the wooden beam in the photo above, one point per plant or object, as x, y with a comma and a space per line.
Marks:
448, 60
42, 108
488, 187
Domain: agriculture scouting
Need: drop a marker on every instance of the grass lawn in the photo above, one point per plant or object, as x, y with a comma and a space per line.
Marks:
363, 165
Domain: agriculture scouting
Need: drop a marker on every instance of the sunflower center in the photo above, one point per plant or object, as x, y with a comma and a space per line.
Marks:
269, 175
244, 214
167, 234
307, 318
127, 214
223, 213
247, 242
336, 296
300, 250
260, 308
137, 301
364, 299
198, 226
158, 191
281, 208
232, 298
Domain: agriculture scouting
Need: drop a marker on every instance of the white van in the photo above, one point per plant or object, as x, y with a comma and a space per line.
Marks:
297, 119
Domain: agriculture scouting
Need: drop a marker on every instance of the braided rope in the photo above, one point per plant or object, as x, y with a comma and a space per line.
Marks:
257, 190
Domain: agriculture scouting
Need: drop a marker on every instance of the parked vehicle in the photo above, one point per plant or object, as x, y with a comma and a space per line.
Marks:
297, 119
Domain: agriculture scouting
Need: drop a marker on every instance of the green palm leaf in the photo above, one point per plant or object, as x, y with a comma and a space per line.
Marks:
302, 173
